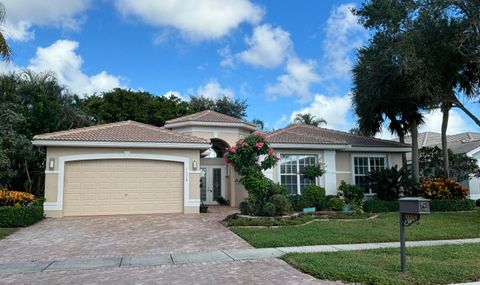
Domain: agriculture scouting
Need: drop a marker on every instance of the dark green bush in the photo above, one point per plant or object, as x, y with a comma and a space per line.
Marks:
298, 202
336, 203
222, 201
282, 204
387, 182
380, 206
243, 206
20, 216
269, 209
313, 195
451, 205
478, 203
353, 194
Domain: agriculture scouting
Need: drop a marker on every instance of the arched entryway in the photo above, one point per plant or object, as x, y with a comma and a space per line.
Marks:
213, 173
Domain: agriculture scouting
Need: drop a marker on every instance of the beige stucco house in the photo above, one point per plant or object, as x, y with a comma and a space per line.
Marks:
134, 168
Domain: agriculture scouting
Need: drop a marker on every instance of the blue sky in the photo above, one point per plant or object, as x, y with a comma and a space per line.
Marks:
282, 57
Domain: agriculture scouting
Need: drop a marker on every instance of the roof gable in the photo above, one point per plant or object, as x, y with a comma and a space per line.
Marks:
127, 131
209, 116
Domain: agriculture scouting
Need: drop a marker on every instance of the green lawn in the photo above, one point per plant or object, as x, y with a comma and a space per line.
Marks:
6, 231
425, 265
451, 225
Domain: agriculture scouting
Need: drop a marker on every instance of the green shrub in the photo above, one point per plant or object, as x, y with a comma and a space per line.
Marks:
269, 209
336, 203
313, 171
282, 204
353, 194
478, 203
243, 206
20, 216
380, 206
451, 205
313, 195
298, 202
387, 182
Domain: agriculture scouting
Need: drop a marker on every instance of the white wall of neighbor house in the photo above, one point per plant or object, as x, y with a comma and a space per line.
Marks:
229, 134
474, 183
56, 153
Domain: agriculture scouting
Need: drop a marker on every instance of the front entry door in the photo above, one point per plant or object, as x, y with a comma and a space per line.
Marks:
212, 183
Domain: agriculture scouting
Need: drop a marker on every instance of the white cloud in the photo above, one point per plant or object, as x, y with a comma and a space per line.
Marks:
228, 59
343, 35
268, 47
213, 90
196, 20
332, 109
280, 122
456, 123
174, 93
299, 76
22, 15
62, 59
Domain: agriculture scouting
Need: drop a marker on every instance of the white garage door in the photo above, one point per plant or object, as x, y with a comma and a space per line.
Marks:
122, 186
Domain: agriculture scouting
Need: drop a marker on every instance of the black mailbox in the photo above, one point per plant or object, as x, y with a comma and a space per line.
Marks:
414, 205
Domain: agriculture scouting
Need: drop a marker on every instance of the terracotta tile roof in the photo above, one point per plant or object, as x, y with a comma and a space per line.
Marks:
458, 143
127, 131
210, 117
305, 134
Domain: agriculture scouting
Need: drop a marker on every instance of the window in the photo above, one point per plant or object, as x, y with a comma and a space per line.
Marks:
291, 171
364, 164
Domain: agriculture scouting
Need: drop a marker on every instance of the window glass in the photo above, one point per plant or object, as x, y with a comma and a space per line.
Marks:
291, 169
362, 166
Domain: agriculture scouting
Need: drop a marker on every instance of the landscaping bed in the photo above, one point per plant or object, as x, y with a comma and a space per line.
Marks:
385, 228
6, 231
426, 265
19, 209
291, 220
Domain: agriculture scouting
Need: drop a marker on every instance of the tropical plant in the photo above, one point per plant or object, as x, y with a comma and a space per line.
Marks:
462, 167
443, 189
15, 198
5, 51
259, 123
388, 183
314, 196
353, 194
308, 119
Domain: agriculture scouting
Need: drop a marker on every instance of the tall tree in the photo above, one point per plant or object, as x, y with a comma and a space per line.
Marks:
124, 104
259, 123
309, 119
233, 107
5, 51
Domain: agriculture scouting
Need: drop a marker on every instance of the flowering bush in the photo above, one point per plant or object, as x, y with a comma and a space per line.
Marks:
249, 157
15, 198
443, 189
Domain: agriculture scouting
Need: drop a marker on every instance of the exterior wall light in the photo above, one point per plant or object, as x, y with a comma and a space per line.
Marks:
194, 164
51, 164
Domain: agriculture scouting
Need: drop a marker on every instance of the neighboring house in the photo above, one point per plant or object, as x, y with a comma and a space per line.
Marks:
464, 143
134, 168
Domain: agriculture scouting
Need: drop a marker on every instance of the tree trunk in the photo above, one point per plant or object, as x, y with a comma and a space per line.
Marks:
446, 163
415, 166
401, 139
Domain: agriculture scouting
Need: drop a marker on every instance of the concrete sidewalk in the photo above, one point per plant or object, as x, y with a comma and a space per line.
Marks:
204, 256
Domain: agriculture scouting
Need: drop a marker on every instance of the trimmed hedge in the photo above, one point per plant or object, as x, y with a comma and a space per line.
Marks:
11, 217
451, 205
379, 206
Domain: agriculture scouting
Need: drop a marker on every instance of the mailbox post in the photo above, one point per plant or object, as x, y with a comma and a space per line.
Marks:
410, 210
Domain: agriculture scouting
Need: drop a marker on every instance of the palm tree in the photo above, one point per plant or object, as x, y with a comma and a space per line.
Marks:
309, 119
5, 51
259, 123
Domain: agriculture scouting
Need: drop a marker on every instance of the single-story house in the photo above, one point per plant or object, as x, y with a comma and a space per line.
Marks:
134, 168
467, 143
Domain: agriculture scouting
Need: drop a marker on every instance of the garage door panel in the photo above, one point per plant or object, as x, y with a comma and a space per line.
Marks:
106, 187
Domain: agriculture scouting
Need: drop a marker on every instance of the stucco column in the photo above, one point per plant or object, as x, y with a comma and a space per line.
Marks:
330, 176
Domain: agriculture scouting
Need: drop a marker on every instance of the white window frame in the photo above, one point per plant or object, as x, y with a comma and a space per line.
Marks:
367, 155
279, 171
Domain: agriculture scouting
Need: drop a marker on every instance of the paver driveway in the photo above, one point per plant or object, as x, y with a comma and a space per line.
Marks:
102, 236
